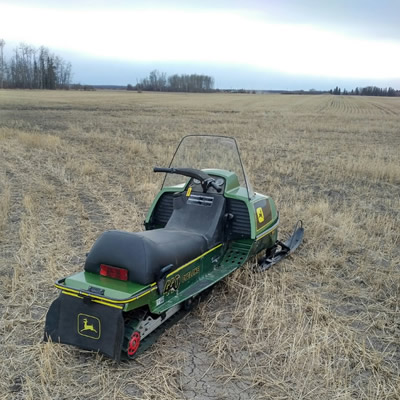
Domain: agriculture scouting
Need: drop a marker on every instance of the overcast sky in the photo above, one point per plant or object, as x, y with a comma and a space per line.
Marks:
271, 44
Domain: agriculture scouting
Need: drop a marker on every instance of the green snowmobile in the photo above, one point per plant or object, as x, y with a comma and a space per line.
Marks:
205, 222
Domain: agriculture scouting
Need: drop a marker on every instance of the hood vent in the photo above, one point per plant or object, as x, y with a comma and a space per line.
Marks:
200, 200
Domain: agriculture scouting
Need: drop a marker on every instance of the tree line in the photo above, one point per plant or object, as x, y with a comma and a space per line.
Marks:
32, 68
159, 81
366, 91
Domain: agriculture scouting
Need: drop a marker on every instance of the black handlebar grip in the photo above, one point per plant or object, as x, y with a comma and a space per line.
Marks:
162, 169
216, 187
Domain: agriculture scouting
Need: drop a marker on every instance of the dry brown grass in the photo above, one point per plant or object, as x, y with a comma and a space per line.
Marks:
323, 324
5, 196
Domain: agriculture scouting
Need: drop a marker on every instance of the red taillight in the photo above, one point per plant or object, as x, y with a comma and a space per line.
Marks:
114, 272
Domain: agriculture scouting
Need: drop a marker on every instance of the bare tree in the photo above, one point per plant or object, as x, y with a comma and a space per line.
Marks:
2, 43
31, 68
176, 83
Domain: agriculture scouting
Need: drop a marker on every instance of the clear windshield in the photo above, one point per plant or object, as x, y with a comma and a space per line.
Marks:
201, 152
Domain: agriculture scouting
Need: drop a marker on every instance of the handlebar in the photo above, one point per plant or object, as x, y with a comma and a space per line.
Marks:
204, 178
215, 186
163, 169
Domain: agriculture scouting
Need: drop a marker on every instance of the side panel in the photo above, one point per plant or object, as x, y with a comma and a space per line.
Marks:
161, 208
251, 217
88, 325
265, 242
162, 211
240, 226
187, 277
263, 214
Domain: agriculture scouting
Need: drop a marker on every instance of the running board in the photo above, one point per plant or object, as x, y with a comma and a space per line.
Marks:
234, 258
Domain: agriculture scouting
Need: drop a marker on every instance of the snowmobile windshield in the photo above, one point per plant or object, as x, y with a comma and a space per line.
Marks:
207, 152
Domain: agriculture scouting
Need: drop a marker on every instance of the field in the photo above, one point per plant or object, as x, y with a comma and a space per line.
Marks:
323, 324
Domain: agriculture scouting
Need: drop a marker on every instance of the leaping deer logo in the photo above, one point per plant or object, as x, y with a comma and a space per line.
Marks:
260, 215
87, 327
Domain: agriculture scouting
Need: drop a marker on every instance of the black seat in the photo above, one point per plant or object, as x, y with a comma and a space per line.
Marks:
193, 228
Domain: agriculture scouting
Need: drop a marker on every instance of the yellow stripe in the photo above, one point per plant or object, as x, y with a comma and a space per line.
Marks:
152, 285
102, 298
144, 294
72, 294
267, 223
191, 262
65, 289
268, 231
108, 304
95, 301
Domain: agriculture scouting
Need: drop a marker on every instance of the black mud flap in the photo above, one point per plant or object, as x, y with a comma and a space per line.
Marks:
88, 325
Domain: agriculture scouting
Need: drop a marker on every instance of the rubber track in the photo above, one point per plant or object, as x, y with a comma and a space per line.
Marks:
149, 340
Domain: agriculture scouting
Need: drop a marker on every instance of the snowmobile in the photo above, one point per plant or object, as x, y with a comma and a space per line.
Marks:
205, 222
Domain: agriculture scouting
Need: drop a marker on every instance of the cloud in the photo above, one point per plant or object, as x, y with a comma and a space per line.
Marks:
220, 37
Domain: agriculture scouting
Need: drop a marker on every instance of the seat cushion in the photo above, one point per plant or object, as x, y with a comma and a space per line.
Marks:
143, 254
199, 213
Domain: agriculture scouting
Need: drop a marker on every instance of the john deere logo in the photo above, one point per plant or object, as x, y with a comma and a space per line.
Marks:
89, 326
260, 215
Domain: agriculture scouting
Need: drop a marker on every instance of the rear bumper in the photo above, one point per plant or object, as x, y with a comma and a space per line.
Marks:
85, 324
122, 302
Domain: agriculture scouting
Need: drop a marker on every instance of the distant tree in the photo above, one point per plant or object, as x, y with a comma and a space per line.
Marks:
31, 68
156, 81
368, 91
130, 87
76, 86
161, 81
51, 74
176, 83
2, 44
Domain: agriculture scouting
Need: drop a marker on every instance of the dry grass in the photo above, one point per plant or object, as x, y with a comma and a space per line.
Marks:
323, 324
5, 196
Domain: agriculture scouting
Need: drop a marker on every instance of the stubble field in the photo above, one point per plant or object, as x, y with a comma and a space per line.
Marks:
323, 324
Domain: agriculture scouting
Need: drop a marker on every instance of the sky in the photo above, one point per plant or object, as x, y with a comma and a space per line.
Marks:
251, 44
